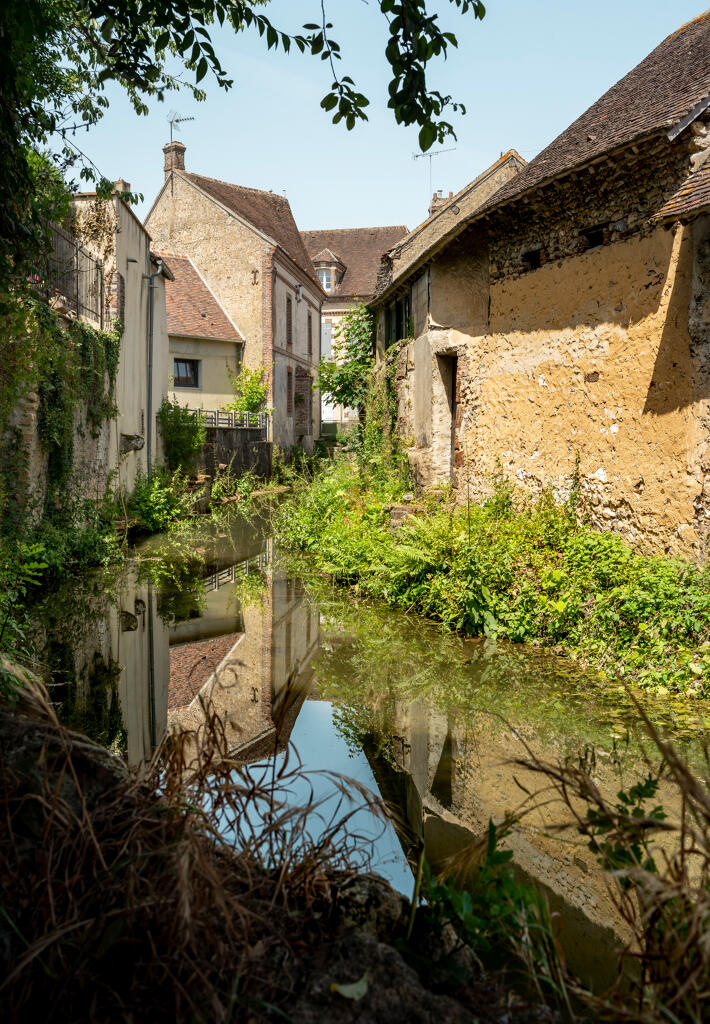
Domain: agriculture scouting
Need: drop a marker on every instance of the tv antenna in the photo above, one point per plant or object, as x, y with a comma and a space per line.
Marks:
174, 120
437, 152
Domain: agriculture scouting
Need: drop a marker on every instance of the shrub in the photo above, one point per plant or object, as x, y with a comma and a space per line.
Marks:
160, 500
250, 389
183, 434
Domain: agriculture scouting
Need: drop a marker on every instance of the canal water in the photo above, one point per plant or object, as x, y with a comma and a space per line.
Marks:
430, 722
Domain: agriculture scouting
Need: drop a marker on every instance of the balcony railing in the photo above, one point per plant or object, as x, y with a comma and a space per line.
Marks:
71, 278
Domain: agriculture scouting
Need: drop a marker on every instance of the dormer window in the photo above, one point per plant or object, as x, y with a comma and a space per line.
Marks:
325, 276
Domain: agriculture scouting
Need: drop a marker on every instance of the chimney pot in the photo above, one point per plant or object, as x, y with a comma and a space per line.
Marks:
174, 157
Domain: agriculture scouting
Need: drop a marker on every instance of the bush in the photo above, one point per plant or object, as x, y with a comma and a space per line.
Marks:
183, 435
160, 500
250, 389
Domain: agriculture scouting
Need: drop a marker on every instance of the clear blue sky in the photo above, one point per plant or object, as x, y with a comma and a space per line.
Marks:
525, 72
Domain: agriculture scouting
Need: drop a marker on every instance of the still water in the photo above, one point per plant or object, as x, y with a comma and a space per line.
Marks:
431, 722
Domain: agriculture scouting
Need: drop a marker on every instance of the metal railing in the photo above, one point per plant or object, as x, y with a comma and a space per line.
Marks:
239, 420
225, 576
71, 278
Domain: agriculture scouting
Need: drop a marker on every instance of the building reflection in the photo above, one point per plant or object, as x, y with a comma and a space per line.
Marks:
245, 658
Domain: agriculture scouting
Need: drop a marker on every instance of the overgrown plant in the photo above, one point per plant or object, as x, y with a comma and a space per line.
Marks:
183, 434
344, 376
514, 567
250, 387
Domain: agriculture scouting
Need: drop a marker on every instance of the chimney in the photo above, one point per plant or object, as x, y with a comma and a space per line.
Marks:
174, 157
122, 187
438, 201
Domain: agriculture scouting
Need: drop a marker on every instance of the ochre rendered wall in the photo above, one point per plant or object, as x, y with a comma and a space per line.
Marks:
591, 357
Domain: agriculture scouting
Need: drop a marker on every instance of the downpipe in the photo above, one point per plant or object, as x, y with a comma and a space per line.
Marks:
151, 323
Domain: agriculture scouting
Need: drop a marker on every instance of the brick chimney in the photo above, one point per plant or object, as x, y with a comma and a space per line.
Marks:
174, 157
122, 187
438, 200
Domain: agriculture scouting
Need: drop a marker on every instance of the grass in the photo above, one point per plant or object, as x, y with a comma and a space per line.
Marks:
512, 567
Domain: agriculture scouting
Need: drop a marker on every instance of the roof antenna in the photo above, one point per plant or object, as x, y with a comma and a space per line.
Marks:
174, 120
437, 152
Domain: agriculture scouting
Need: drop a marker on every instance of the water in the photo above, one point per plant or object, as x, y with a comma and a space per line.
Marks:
431, 722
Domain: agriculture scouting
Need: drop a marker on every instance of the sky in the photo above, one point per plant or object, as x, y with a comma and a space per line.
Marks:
524, 73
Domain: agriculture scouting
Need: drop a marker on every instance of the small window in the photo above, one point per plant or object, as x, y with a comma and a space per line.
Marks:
325, 277
289, 321
289, 392
186, 373
310, 334
533, 258
590, 238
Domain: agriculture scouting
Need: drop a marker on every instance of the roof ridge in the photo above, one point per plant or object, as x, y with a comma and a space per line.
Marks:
233, 184
377, 227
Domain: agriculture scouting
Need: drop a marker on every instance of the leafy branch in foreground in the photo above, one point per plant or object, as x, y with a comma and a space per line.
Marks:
58, 57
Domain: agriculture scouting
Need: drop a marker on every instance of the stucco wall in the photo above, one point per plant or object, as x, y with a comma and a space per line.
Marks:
215, 389
589, 356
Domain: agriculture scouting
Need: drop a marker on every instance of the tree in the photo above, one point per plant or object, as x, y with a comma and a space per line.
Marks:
56, 57
345, 376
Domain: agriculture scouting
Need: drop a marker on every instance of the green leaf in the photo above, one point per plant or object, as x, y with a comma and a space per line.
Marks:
427, 136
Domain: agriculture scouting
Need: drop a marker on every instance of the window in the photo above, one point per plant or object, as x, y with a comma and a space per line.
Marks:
289, 392
289, 321
325, 278
590, 238
186, 373
534, 258
310, 334
326, 339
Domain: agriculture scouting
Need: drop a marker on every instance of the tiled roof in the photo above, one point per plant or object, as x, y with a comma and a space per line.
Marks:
359, 250
192, 664
324, 256
191, 308
268, 212
692, 196
657, 94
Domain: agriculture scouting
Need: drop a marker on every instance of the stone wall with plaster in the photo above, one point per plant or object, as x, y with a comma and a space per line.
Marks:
599, 354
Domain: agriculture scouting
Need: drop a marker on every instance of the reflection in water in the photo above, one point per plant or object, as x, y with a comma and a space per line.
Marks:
431, 721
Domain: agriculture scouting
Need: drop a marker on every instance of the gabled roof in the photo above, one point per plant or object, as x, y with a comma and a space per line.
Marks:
469, 199
268, 212
326, 256
692, 197
191, 308
359, 250
657, 95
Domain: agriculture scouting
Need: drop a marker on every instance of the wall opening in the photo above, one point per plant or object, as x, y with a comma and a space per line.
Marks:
445, 425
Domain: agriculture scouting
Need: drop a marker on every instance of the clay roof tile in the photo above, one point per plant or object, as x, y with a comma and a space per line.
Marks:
191, 308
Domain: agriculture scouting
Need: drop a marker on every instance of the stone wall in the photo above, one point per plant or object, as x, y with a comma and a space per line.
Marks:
241, 449
599, 354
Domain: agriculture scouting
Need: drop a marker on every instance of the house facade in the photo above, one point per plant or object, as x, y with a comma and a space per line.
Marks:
561, 327
205, 346
346, 261
246, 247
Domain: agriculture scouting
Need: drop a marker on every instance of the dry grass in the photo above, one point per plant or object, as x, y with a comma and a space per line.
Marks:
659, 874
168, 894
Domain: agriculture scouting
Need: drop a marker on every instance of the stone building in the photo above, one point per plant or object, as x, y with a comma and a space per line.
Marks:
561, 327
204, 344
246, 247
346, 261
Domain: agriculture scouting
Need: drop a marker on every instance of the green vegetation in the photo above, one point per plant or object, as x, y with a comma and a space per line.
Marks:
345, 376
250, 389
512, 567
161, 500
183, 435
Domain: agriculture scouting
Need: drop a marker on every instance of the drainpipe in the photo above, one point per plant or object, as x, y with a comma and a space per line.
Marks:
151, 303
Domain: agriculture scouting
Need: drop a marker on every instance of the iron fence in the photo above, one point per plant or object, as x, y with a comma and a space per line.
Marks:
239, 420
71, 278
217, 580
